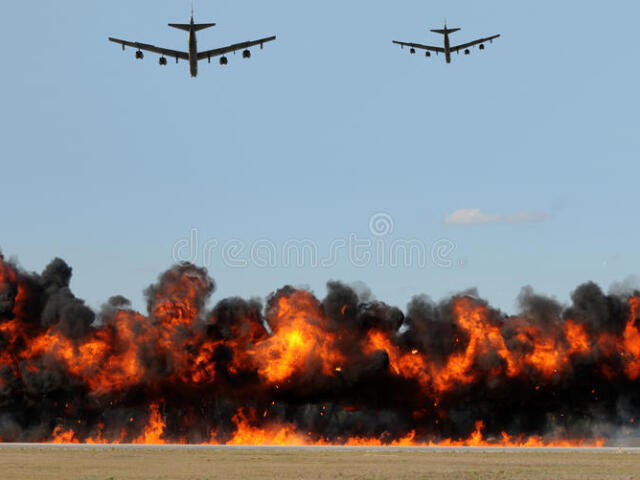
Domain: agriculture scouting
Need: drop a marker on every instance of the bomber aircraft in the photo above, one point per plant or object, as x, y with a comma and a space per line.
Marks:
448, 49
193, 56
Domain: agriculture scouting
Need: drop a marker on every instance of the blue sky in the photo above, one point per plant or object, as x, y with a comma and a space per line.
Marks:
108, 162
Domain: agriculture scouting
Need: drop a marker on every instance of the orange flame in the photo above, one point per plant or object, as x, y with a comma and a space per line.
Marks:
60, 435
631, 341
299, 341
153, 432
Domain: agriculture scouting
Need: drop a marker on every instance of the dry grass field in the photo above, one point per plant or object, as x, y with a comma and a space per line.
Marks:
20, 463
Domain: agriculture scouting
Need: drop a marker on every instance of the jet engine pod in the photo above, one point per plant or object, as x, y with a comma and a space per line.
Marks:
139, 55
162, 61
412, 51
467, 52
246, 54
427, 54
481, 47
224, 60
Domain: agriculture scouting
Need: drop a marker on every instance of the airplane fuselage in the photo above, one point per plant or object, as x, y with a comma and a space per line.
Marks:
193, 52
447, 46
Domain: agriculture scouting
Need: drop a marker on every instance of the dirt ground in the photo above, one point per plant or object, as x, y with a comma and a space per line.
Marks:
187, 464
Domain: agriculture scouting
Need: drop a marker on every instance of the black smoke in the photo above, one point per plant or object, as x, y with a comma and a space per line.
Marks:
194, 365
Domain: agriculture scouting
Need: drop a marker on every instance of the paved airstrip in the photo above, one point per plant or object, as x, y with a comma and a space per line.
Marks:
275, 448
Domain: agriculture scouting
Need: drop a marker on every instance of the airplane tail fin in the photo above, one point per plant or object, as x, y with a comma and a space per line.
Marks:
196, 27
446, 30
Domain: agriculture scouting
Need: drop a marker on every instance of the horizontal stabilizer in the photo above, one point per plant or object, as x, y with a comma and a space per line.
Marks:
446, 30
196, 27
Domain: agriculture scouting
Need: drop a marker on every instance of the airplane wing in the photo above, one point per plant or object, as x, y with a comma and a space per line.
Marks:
422, 47
233, 48
151, 48
475, 42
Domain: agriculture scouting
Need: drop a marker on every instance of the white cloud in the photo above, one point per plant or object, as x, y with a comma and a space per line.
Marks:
475, 216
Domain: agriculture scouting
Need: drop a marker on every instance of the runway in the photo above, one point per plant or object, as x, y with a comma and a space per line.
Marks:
323, 448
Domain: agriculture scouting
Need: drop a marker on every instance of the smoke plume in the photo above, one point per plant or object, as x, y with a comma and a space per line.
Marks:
299, 370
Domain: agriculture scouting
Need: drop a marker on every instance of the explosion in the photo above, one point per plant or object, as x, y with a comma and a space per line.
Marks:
301, 371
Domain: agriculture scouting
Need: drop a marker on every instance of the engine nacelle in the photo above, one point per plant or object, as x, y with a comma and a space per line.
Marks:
412, 51
481, 47
224, 60
427, 54
139, 55
246, 54
467, 52
162, 61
